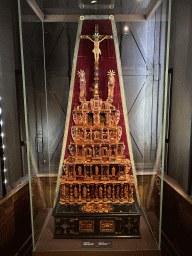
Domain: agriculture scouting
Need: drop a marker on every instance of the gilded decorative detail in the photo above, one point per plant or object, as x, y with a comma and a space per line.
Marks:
86, 226
99, 208
107, 226
111, 17
82, 17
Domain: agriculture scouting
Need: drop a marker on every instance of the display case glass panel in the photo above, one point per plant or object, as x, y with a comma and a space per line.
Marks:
49, 45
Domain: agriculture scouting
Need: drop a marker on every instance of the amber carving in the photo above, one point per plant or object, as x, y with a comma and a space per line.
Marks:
97, 170
107, 226
97, 208
86, 226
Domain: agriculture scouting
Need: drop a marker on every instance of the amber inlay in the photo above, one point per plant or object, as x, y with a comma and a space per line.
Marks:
97, 208
86, 226
107, 226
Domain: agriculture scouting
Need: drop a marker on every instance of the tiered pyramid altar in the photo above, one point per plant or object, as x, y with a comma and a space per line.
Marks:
96, 187
97, 170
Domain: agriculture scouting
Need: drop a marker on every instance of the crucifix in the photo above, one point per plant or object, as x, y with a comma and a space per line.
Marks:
96, 39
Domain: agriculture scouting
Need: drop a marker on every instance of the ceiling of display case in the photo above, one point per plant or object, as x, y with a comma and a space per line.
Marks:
90, 7
124, 6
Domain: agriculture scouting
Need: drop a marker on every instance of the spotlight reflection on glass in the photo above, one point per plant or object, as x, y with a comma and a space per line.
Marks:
93, 2
126, 29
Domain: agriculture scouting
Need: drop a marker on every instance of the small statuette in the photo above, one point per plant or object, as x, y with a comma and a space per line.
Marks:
113, 171
117, 192
109, 191
84, 192
100, 192
96, 170
79, 170
75, 192
111, 84
125, 191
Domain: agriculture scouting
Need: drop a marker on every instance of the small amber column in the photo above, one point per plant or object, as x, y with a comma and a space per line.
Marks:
122, 198
71, 193
88, 193
105, 198
101, 171
83, 152
74, 172
96, 193
85, 171
113, 193
130, 193
79, 199
108, 171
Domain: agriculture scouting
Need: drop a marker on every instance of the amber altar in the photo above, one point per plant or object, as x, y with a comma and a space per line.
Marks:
96, 196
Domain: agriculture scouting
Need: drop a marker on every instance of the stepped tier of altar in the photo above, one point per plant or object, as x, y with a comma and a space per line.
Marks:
97, 170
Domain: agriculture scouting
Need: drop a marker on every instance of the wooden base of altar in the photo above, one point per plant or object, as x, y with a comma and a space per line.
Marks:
97, 220
49, 246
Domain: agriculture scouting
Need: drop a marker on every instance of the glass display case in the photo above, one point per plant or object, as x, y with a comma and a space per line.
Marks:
54, 36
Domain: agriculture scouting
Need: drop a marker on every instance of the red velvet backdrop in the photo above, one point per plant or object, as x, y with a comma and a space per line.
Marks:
107, 61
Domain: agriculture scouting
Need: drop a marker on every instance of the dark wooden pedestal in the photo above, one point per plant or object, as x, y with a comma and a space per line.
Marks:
123, 221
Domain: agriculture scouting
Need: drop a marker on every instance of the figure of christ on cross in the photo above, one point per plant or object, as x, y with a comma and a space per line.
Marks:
96, 39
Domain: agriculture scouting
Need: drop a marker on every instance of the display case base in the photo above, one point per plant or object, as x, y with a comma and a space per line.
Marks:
113, 221
98, 253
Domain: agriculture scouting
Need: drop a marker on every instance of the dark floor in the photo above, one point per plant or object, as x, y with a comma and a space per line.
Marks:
166, 247
165, 251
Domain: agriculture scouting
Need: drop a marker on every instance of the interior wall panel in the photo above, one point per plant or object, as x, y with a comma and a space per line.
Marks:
142, 59
180, 61
8, 95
